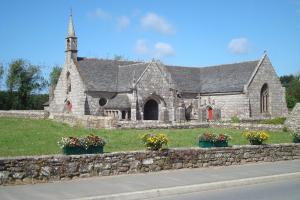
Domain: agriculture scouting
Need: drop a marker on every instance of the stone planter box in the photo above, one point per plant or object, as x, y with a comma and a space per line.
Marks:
80, 150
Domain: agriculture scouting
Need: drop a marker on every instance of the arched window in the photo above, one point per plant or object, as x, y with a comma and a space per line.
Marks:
264, 99
102, 101
68, 83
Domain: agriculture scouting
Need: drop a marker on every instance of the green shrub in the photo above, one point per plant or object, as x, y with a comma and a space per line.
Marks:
235, 119
285, 129
275, 121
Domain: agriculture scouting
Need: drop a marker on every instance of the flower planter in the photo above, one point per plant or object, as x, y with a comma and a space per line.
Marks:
296, 140
80, 150
206, 144
221, 144
95, 149
255, 142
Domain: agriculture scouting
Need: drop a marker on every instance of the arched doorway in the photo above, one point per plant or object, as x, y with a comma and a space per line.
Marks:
151, 110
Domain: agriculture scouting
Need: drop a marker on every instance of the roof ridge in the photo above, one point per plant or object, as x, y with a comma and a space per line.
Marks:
234, 63
212, 65
132, 64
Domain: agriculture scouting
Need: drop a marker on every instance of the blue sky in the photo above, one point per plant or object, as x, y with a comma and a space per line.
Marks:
182, 32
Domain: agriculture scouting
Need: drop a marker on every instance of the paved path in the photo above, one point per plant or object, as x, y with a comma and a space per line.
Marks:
155, 184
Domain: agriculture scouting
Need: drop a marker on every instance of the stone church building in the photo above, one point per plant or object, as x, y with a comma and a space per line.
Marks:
131, 90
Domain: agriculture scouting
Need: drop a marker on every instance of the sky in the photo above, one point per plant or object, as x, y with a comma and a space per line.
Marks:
178, 32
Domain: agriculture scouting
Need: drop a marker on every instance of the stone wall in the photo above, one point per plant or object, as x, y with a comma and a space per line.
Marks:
248, 126
231, 105
293, 120
186, 125
277, 104
86, 121
32, 114
22, 170
77, 96
154, 84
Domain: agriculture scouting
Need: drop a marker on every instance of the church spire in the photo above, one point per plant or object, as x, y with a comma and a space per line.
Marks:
71, 42
71, 31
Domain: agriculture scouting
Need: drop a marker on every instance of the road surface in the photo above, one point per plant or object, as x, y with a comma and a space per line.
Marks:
160, 184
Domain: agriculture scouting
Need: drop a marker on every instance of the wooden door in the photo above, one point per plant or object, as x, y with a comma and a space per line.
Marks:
210, 114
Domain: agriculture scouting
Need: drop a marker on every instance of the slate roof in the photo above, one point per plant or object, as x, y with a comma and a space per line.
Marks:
118, 76
226, 78
120, 101
100, 74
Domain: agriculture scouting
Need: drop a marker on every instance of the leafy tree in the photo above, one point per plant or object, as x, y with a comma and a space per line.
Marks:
292, 85
1, 74
54, 75
23, 78
1, 71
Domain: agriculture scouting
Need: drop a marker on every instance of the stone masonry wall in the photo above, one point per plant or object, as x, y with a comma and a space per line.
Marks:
154, 85
77, 96
187, 125
277, 103
293, 120
32, 114
230, 105
24, 170
86, 121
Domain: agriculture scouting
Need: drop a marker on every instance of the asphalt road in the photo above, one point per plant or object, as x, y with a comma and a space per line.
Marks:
279, 190
160, 184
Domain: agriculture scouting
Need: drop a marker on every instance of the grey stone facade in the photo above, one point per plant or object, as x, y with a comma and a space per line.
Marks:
129, 90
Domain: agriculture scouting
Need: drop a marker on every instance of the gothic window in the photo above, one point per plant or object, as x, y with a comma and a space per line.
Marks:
102, 101
264, 99
68, 83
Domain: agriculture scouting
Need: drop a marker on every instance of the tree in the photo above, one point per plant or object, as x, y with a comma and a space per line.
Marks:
23, 79
292, 85
1, 71
1, 74
54, 75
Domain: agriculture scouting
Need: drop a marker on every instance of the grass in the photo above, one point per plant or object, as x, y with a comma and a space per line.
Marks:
274, 121
20, 137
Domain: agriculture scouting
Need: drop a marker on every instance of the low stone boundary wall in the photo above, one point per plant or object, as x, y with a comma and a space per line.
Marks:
184, 125
24, 170
248, 126
32, 114
87, 121
159, 125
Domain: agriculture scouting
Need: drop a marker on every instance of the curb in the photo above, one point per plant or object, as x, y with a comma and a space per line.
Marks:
160, 192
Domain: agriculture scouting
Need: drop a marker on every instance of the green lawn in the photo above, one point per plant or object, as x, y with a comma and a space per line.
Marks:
39, 137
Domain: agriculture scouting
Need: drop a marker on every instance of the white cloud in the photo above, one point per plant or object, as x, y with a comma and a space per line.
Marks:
157, 23
141, 47
163, 49
123, 22
239, 46
100, 14
158, 50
